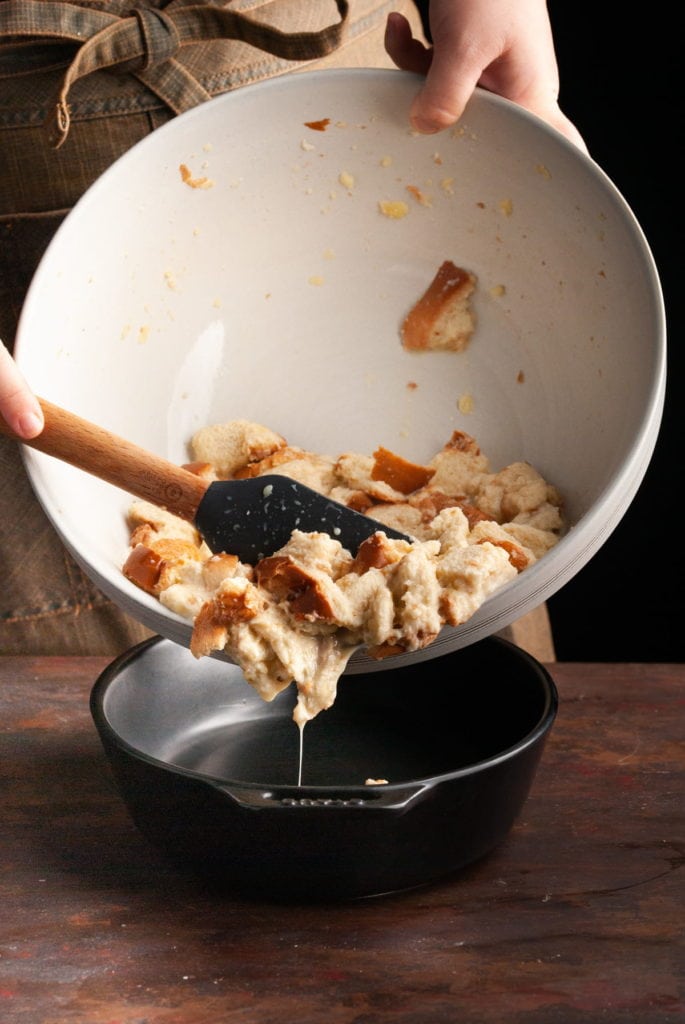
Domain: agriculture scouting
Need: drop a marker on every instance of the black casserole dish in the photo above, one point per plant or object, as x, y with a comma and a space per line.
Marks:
209, 771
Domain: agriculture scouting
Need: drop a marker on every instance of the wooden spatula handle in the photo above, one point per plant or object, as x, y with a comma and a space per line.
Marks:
119, 462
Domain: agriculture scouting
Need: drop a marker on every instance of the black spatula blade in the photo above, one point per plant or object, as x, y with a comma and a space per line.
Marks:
254, 518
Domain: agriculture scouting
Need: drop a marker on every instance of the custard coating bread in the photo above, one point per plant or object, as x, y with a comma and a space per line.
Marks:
442, 318
299, 614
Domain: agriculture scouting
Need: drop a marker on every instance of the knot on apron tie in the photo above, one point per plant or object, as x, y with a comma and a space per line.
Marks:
161, 40
145, 41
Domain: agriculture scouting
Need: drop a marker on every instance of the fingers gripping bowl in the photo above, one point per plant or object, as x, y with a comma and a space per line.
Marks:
251, 270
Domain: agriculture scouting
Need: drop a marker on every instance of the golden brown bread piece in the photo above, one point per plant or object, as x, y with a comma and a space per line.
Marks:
442, 318
154, 566
401, 474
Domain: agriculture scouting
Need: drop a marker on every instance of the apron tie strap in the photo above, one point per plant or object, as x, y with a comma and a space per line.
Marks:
145, 41
161, 40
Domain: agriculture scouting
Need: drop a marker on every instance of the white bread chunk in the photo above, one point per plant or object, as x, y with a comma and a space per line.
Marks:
401, 516
460, 468
535, 540
516, 489
147, 520
231, 446
315, 471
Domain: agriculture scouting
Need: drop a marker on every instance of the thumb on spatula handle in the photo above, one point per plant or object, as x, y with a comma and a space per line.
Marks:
119, 462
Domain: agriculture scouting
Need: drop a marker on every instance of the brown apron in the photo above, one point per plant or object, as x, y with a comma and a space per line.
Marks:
80, 83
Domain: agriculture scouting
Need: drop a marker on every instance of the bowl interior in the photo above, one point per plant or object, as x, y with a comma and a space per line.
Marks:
276, 295
457, 713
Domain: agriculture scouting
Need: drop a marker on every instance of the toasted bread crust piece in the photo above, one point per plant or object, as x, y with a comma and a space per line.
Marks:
399, 473
442, 318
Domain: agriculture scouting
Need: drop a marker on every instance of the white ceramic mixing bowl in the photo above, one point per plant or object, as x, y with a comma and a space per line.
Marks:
276, 292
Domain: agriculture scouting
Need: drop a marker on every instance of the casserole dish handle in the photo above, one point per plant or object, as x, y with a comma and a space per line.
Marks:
390, 798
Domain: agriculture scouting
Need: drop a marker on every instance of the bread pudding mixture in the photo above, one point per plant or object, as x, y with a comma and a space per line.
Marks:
299, 614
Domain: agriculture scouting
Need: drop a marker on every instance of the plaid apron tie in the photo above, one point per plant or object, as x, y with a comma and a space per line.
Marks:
144, 41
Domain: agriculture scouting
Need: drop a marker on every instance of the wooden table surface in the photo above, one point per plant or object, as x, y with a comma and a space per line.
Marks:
576, 917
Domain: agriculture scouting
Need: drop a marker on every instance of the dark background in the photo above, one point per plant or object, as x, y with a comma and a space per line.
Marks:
618, 84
